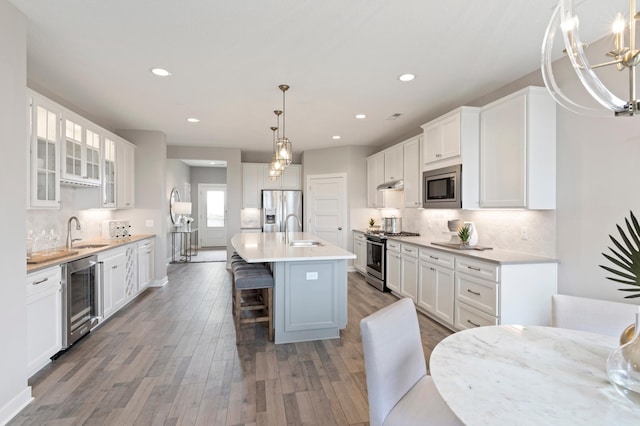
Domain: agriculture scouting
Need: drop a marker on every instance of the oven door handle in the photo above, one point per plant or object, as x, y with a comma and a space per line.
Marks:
100, 290
375, 243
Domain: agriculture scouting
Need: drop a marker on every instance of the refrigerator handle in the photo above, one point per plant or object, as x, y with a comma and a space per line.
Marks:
283, 212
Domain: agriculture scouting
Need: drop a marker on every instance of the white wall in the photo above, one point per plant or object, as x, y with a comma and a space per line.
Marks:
14, 392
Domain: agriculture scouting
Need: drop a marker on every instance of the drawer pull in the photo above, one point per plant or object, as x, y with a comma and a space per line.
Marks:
473, 292
474, 268
434, 257
433, 269
473, 323
41, 281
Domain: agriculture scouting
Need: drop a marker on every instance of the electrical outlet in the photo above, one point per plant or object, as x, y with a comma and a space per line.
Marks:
149, 223
524, 233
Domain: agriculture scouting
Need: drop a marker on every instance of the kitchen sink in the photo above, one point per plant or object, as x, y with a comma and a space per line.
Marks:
89, 246
305, 243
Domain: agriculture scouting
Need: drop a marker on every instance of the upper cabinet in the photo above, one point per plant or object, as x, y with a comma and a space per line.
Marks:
393, 163
255, 178
447, 136
412, 172
81, 152
44, 153
375, 177
518, 151
66, 148
125, 175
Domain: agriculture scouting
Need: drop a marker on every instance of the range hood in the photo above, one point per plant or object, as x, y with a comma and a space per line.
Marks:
395, 185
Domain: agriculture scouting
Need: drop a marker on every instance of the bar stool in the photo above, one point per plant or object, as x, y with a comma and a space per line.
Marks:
252, 293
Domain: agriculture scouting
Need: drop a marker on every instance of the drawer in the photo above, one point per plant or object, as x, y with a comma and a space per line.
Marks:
484, 270
469, 317
393, 246
43, 280
481, 294
437, 257
359, 236
409, 250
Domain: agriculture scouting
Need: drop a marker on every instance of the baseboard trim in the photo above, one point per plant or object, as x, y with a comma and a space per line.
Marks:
13, 407
160, 283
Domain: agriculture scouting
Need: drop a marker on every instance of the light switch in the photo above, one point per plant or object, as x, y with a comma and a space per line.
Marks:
149, 223
312, 276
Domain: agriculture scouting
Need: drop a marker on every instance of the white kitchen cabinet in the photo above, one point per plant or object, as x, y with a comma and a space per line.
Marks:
360, 250
393, 163
518, 151
252, 180
375, 177
412, 173
446, 136
255, 178
145, 263
108, 199
113, 263
125, 174
409, 271
81, 151
392, 266
44, 152
44, 317
436, 285
489, 294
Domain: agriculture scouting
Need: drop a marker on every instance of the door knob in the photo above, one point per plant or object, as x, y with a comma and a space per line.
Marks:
340, 228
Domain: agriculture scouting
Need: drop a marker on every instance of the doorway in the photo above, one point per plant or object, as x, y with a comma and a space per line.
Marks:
327, 207
212, 215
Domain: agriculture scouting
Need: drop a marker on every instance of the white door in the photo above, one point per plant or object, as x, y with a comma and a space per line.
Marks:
326, 208
212, 215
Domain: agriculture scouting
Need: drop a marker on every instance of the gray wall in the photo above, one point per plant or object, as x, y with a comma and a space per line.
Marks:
14, 391
234, 179
152, 204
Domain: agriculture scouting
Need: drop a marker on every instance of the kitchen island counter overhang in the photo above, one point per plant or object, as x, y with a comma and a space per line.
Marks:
310, 293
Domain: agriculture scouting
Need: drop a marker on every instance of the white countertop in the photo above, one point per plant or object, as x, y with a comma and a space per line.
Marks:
508, 375
271, 247
495, 255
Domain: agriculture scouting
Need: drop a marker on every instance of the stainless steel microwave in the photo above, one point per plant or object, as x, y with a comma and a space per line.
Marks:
441, 188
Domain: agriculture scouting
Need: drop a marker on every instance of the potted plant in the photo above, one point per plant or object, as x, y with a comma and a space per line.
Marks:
627, 258
372, 223
464, 233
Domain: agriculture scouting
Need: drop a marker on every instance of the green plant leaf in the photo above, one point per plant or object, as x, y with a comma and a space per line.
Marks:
627, 258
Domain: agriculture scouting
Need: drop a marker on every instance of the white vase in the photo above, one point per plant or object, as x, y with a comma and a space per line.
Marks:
473, 237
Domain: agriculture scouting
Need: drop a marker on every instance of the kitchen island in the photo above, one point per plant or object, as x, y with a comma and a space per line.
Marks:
310, 292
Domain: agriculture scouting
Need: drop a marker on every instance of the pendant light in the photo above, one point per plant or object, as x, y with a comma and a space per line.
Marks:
275, 169
284, 152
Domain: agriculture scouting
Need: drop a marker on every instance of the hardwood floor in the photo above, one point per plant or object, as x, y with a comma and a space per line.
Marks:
170, 357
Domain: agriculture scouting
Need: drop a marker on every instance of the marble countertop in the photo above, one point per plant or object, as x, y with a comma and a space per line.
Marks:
79, 253
509, 374
495, 255
271, 247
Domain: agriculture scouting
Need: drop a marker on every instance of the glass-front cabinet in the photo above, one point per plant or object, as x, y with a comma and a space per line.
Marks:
44, 173
80, 152
109, 181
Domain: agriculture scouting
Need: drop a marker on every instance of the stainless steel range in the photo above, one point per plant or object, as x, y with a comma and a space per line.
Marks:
376, 255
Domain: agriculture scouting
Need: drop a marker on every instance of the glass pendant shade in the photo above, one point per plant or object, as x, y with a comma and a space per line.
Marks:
284, 151
275, 167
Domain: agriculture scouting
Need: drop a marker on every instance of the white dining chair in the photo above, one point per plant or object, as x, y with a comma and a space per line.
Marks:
593, 315
400, 391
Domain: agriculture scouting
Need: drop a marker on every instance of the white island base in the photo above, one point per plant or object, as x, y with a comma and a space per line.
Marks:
310, 291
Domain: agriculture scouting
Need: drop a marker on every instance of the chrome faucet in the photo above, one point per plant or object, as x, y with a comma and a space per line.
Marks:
286, 231
78, 228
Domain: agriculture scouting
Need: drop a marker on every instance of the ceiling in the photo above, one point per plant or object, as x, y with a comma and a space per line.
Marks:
227, 59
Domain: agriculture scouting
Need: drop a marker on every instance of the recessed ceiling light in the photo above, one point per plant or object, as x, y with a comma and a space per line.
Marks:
160, 72
361, 116
406, 77
193, 120
336, 137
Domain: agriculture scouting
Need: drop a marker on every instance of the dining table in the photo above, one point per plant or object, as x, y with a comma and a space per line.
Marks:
530, 375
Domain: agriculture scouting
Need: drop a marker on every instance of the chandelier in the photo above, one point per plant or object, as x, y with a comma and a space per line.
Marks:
623, 57
284, 152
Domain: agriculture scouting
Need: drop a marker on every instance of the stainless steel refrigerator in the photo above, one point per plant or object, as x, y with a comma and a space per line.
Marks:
276, 205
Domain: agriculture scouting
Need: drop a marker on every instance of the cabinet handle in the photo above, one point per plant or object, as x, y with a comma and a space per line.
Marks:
434, 257
41, 281
473, 292
114, 267
474, 268
473, 323
433, 269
